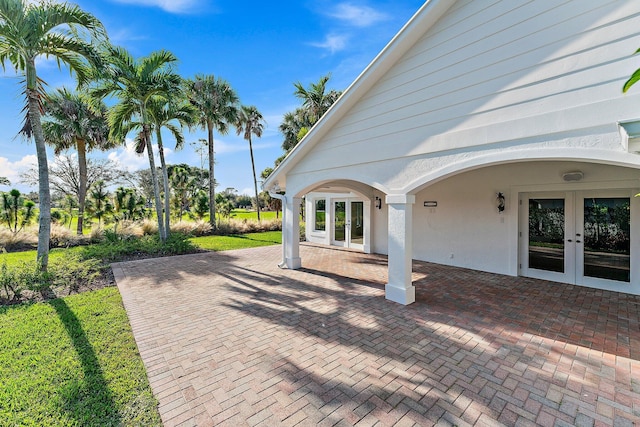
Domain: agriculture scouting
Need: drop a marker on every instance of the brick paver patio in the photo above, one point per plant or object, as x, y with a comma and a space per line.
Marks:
229, 339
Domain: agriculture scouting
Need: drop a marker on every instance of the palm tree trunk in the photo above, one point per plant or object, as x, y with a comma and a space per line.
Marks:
154, 181
255, 179
16, 209
165, 183
212, 189
44, 195
82, 191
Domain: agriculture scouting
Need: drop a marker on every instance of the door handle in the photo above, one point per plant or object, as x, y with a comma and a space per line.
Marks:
569, 240
578, 241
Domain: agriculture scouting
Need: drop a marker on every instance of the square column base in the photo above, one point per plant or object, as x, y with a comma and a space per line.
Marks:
404, 296
294, 263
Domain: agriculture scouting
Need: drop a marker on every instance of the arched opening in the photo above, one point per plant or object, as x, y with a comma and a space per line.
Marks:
564, 220
342, 213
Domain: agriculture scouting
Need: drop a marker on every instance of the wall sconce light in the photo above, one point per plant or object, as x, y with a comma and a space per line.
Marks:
500, 202
378, 203
573, 176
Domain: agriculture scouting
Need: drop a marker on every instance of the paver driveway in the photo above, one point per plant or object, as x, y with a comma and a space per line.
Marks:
230, 339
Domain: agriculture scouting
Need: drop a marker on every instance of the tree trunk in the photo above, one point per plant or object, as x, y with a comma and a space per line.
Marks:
212, 188
154, 180
255, 179
165, 183
82, 190
44, 195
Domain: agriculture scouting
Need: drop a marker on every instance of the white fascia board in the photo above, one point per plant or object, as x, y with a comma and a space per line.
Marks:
410, 33
630, 133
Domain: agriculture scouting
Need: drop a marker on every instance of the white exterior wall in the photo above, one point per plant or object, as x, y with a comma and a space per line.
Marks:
486, 76
495, 96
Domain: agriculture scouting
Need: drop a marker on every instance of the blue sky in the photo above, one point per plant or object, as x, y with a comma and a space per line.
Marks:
260, 47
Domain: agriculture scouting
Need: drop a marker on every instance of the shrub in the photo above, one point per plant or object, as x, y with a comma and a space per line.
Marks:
34, 279
97, 235
115, 249
10, 284
149, 227
244, 226
303, 234
58, 217
129, 230
10, 240
197, 228
72, 271
177, 244
201, 228
62, 236
23, 276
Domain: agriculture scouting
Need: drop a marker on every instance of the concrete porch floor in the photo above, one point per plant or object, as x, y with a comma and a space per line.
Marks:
230, 339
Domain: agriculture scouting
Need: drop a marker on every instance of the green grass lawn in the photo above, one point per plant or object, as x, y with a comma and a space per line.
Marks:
73, 361
246, 214
13, 258
225, 243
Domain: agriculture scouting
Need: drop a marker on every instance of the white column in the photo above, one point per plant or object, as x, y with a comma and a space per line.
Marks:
399, 289
291, 233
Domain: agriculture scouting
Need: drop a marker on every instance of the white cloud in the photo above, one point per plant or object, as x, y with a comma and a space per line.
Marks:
12, 170
248, 191
333, 42
171, 6
127, 158
123, 35
358, 16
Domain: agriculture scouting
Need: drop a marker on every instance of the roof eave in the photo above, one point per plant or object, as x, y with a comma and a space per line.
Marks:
410, 33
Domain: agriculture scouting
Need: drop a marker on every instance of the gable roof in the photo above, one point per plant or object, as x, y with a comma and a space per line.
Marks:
412, 31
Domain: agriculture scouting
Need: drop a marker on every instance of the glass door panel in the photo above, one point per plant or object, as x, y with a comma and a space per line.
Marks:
340, 221
607, 243
357, 223
546, 234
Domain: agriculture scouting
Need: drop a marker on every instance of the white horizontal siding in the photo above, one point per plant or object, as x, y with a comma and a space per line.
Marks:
491, 62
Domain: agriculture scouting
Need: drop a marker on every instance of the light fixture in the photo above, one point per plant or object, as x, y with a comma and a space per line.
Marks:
573, 176
500, 202
378, 203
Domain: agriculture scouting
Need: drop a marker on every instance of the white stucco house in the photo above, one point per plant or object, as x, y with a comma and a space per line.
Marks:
491, 135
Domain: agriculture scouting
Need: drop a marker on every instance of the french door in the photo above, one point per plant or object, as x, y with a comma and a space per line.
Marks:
576, 237
348, 223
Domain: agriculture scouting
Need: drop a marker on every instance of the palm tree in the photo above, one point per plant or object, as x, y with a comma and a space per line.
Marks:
13, 207
164, 114
217, 105
28, 31
250, 122
129, 204
315, 102
314, 99
633, 79
138, 84
73, 121
292, 123
99, 204
180, 181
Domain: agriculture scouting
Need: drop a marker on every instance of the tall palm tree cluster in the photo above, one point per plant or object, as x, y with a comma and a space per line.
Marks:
315, 102
149, 94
